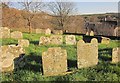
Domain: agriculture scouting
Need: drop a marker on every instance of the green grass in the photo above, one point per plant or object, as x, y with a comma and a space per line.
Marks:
8, 41
30, 68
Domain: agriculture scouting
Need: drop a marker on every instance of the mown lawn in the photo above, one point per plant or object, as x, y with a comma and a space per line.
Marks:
30, 68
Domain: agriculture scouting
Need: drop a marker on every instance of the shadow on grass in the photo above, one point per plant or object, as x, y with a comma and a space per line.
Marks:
72, 64
87, 39
32, 62
105, 54
34, 42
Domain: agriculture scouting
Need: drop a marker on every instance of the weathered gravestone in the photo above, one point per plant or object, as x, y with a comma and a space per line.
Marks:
8, 54
16, 35
105, 40
40, 31
44, 40
56, 39
23, 42
58, 32
6, 60
3, 51
91, 33
54, 61
48, 31
4, 32
16, 50
7, 65
11, 51
116, 55
87, 53
70, 39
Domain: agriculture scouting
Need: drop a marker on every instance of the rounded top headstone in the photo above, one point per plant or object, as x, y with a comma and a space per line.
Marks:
80, 42
94, 40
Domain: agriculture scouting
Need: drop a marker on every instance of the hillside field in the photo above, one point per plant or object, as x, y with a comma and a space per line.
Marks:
30, 67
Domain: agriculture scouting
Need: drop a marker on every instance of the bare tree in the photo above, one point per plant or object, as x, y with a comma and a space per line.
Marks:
61, 12
31, 8
5, 4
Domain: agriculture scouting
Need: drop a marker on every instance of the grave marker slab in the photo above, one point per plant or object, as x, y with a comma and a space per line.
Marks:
87, 53
116, 55
54, 61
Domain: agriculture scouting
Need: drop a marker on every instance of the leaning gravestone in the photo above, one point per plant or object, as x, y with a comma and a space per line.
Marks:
16, 50
23, 42
11, 51
116, 55
56, 39
44, 40
16, 35
105, 40
70, 40
4, 32
54, 61
8, 54
87, 53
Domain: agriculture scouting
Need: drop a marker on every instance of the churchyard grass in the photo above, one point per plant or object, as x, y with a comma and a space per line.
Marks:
32, 68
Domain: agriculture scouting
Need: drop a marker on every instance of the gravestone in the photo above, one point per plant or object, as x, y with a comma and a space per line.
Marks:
44, 40
11, 50
16, 35
3, 51
87, 53
70, 39
48, 31
87, 33
8, 54
4, 32
16, 50
56, 39
23, 42
58, 32
40, 31
54, 61
105, 40
91, 33
7, 65
116, 55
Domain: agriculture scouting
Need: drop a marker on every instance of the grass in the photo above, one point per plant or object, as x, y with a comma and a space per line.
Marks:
30, 68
